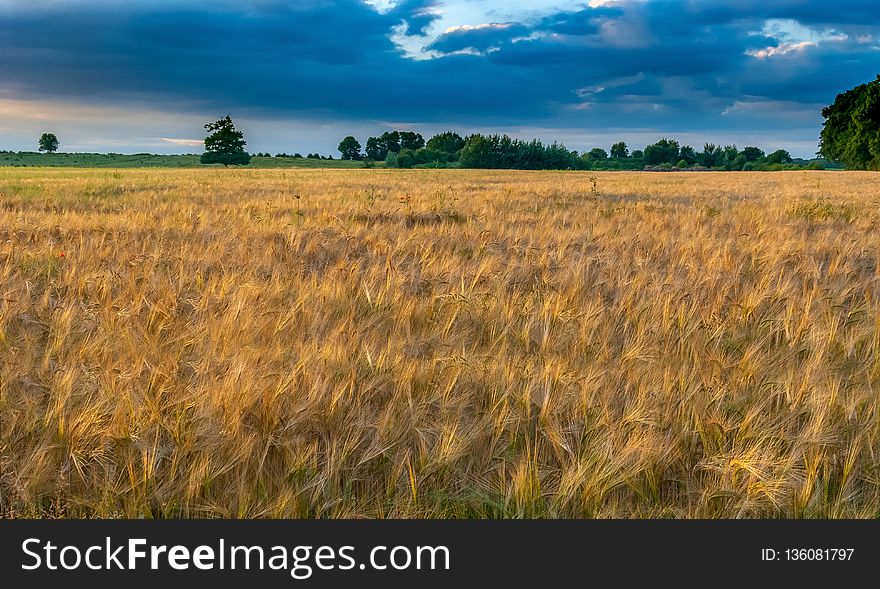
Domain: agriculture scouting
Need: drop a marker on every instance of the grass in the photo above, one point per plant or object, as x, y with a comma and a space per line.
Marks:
438, 343
148, 160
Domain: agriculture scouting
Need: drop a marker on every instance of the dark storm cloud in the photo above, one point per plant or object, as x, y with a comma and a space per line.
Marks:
667, 63
331, 56
480, 38
858, 12
581, 22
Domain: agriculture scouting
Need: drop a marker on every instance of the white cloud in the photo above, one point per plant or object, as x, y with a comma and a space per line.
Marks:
781, 49
186, 142
479, 27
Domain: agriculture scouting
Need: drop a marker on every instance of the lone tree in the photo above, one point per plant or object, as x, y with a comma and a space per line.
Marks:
851, 132
48, 142
350, 148
225, 144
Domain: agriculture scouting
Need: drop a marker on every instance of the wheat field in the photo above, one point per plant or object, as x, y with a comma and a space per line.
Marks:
439, 343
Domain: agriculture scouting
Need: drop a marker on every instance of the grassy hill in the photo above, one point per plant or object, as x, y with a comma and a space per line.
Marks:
149, 160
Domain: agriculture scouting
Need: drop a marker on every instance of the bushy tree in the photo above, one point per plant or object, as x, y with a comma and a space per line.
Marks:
477, 152
350, 148
224, 144
711, 156
730, 152
664, 151
780, 156
373, 149
752, 154
378, 147
637, 154
687, 155
406, 158
448, 142
619, 150
391, 160
851, 131
597, 153
411, 140
48, 142
504, 152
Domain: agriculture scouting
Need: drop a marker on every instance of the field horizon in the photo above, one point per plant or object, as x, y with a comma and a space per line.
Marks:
438, 343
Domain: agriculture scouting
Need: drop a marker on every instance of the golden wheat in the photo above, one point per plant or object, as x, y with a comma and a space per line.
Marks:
392, 343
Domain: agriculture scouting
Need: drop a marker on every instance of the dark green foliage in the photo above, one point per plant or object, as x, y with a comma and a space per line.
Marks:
664, 151
711, 156
406, 159
374, 150
638, 154
225, 144
391, 160
411, 140
503, 152
448, 142
409, 158
619, 150
752, 154
730, 153
738, 162
780, 156
597, 153
350, 148
688, 155
227, 159
851, 131
378, 147
48, 142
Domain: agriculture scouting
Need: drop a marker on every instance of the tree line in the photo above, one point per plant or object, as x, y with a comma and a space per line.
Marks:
850, 135
407, 149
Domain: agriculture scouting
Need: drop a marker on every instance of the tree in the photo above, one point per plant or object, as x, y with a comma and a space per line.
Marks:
448, 142
780, 156
752, 154
637, 154
410, 140
378, 147
374, 149
851, 131
48, 142
405, 159
730, 152
711, 156
391, 139
504, 152
619, 150
350, 148
391, 160
664, 151
687, 155
225, 144
476, 152
597, 153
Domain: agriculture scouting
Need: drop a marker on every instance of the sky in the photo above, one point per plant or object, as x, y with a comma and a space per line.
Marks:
133, 76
